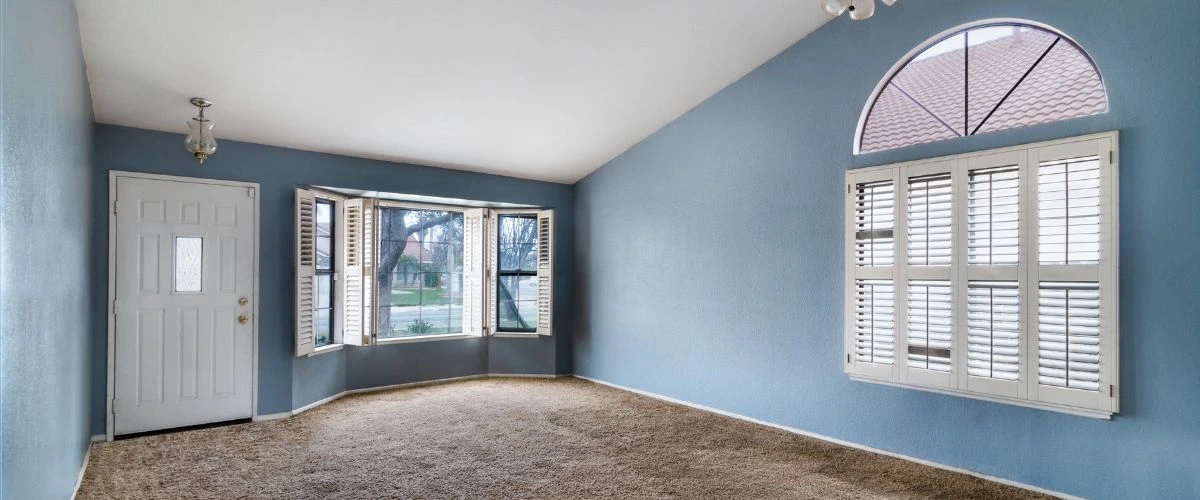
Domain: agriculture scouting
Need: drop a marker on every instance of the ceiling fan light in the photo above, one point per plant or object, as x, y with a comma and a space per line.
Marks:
861, 9
833, 7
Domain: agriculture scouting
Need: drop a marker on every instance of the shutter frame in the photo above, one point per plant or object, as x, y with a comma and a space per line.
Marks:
473, 272
491, 238
545, 272
354, 317
305, 246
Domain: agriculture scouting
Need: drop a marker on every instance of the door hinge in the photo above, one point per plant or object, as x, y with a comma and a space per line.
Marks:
116, 204
249, 192
847, 189
114, 406
847, 359
1110, 156
1110, 390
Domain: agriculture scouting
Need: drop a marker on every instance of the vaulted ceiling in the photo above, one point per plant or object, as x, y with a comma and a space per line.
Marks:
539, 89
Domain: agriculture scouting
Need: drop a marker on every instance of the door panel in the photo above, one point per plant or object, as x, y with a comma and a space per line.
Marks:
184, 261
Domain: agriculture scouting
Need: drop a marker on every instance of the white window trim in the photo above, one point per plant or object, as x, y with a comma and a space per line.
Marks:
896, 375
426, 338
326, 349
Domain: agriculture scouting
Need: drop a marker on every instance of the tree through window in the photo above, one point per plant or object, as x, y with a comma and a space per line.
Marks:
420, 272
982, 79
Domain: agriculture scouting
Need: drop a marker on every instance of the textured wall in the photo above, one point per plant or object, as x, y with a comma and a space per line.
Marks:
287, 382
45, 175
710, 255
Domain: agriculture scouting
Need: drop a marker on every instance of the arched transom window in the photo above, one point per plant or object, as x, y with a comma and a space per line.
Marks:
982, 78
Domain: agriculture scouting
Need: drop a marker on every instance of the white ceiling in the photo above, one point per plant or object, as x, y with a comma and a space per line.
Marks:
540, 89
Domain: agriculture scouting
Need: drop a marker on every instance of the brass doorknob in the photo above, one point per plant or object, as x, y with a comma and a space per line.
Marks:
242, 318
243, 301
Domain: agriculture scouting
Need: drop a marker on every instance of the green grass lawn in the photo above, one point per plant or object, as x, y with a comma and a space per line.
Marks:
414, 296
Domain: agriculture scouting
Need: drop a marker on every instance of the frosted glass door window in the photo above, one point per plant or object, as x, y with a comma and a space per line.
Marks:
189, 263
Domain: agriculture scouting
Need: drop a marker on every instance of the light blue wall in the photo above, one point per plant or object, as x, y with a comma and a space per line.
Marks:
45, 177
287, 382
709, 262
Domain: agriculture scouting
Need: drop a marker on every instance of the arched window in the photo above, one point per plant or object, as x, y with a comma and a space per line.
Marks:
988, 76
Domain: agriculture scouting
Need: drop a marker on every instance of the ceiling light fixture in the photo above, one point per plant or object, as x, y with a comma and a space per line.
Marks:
858, 9
200, 141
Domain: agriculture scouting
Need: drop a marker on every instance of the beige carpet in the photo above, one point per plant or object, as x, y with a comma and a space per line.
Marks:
508, 438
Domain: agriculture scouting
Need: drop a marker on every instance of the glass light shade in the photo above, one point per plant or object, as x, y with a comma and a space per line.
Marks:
889, 3
200, 141
861, 9
833, 7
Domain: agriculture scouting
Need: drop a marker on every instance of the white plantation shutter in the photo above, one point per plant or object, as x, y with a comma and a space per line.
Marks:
305, 271
1075, 352
993, 215
993, 330
545, 272
874, 321
473, 272
1006, 263
353, 232
492, 239
871, 320
930, 328
874, 223
929, 220
1069, 335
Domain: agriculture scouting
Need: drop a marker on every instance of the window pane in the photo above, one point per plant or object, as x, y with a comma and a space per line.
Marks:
518, 302
324, 327
189, 263
419, 272
518, 243
324, 235
324, 291
979, 80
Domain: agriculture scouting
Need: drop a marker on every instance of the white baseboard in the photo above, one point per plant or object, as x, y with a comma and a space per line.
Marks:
832, 440
87, 455
525, 375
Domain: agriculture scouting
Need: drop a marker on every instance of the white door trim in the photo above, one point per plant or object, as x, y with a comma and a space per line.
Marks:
112, 271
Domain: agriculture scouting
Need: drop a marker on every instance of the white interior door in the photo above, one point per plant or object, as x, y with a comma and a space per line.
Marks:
184, 286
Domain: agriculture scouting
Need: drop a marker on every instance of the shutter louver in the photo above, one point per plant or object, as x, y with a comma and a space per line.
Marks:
1069, 335
993, 330
874, 316
545, 272
472, 294
305, 271
993, 216
874, 224
1069, 211
929, 220
929, 325
353, 313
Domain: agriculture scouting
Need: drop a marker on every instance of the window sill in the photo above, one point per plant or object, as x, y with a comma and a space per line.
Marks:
424, 338
517, 335
327, 348
1040, 405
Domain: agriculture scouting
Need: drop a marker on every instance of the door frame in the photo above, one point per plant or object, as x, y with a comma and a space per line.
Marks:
113, 175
